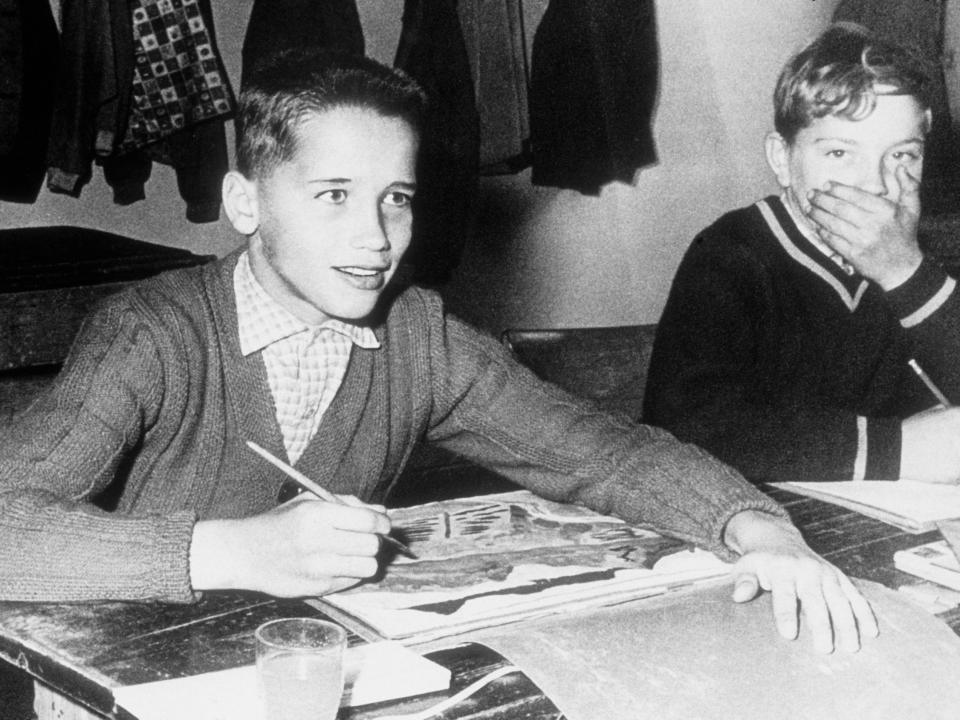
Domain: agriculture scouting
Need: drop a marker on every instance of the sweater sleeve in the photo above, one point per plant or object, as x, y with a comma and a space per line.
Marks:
67, 448
495, 412
928, 307
710, 384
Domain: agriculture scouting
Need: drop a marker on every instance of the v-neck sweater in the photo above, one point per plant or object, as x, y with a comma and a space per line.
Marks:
776, 361
156, 400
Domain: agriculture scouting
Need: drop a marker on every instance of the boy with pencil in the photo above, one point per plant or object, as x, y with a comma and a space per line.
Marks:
299, 343
808, 336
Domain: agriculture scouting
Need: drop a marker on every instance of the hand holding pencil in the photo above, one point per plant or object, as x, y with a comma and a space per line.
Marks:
318, 490
295, 549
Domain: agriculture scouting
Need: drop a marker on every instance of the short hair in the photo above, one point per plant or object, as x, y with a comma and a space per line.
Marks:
285, 89
841, 73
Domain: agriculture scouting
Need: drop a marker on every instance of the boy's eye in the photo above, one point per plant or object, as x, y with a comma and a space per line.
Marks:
905, 155
836, 153
397, 199
335, 196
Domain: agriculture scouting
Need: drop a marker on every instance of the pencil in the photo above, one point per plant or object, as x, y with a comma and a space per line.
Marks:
935, 391
318, 490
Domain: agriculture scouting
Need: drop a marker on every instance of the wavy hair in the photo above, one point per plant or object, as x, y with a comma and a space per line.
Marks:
841, 73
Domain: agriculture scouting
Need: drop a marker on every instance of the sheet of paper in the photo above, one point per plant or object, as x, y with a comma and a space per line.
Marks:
950, 529
507, 557
374, 672
933, 561
912, 506
697, 654
931, 596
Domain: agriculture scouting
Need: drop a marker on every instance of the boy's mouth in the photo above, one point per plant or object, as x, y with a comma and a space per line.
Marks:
364, 277
362, 272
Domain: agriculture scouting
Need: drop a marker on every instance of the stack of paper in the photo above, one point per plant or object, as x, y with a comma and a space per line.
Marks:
912, 506
934, 561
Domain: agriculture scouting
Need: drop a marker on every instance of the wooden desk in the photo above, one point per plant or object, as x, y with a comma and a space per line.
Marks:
78, 652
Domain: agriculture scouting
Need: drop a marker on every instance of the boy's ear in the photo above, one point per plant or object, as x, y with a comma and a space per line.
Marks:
778, 157
240, 203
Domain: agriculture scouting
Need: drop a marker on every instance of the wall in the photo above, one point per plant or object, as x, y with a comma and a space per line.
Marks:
544, 257
554, 258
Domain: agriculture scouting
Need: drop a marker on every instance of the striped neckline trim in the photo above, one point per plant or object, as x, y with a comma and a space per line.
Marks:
851, 300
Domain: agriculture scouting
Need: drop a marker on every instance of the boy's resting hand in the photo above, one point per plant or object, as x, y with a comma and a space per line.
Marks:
876, 234
301, 548
774, 557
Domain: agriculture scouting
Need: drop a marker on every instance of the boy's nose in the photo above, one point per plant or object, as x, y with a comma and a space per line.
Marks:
875, 178
370, 233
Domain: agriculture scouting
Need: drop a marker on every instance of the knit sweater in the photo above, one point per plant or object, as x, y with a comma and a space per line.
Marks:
773, 359
156, 397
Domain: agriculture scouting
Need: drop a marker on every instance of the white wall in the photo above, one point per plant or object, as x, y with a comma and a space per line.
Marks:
546, 257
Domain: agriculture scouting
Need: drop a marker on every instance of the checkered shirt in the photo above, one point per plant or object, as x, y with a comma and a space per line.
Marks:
305, 363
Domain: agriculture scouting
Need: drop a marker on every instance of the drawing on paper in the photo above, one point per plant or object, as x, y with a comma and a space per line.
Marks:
502, 558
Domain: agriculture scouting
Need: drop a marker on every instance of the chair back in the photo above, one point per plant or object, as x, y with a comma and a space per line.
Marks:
605, 364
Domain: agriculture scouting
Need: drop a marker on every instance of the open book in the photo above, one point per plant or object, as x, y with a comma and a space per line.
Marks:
497, 559
912, 506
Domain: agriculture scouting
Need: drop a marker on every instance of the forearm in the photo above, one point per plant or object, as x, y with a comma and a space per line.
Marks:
928, 308
807, 444
65, 450
210, 554
569, 450
57, 545
56, 551
769, 440
676, 488
639, 473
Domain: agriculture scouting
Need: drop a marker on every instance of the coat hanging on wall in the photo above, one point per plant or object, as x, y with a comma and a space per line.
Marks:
432, 50
141, 81
29, 45
494, 37
276, 25
595, 73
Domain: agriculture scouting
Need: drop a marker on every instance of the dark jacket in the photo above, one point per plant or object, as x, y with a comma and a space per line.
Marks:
94, 100
594, 86
29, 45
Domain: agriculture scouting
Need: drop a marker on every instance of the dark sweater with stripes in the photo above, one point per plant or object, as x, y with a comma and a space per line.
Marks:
773, 359
157, 397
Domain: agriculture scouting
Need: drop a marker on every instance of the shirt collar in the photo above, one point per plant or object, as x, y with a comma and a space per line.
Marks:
262, 321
